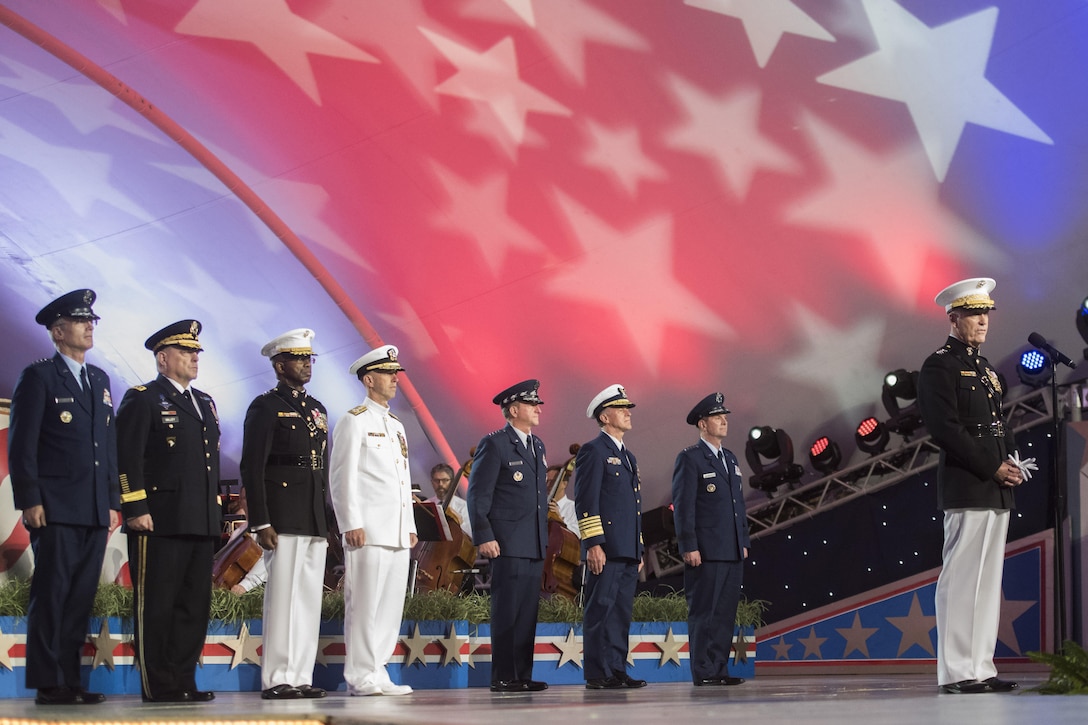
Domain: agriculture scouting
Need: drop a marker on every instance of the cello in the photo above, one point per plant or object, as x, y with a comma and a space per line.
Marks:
564, 552
444, 564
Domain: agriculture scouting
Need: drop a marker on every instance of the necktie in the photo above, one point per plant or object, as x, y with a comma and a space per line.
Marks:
529, 445
83, 381
189, 399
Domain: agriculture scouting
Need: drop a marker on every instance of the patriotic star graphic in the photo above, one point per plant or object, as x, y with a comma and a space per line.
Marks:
617, 152
477, 210
410, 327
939, 73
741, 152
915, 628
903, 222
7, 641
570, 650
104, 645
765, 22
812, 644
282, 36
491, 78
653, 301
1011, 610
857, 637
852, 352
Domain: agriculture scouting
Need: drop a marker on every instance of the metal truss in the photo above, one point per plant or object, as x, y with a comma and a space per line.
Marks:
886, 469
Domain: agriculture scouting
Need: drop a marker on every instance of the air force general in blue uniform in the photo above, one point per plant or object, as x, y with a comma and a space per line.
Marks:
609, 506
508, 507
62, 449
712, 533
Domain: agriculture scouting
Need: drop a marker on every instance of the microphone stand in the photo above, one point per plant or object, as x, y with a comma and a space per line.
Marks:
1057, 508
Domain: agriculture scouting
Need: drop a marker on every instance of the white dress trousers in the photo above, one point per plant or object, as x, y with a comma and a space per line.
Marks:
968, 597
292, 610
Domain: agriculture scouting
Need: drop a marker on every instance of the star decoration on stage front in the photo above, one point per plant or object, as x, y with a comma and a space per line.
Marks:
416, 644
245, 647
670, 648
452, 646
570, 650
104, 647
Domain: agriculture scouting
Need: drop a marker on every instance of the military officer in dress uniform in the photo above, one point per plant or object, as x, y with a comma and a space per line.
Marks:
372, 495
168, 448
284, 452
959, 397
508, 506
62, 456
712, 533
609, 505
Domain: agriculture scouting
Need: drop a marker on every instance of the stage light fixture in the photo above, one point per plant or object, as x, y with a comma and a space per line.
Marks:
769, 452
824, 455
872, 436
1034, 368
900, 398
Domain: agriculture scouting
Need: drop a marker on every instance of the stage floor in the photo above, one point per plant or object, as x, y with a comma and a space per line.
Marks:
890, 700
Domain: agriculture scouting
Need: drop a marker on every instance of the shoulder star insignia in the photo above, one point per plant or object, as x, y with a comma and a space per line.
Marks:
451, 647
416, 644
104, 646
670, 649
570, 650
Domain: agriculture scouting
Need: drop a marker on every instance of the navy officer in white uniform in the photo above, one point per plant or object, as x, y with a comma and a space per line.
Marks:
712, 533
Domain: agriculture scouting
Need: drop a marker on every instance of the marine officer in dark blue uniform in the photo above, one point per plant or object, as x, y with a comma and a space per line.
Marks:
960, 398
609, 506
508, 507
712, 533
285, 474
62, 457
168, 453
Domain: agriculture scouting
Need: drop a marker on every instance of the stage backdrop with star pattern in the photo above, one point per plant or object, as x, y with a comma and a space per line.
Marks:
759, 197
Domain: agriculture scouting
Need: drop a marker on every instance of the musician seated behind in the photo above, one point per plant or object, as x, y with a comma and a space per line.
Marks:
441, 480
564, 508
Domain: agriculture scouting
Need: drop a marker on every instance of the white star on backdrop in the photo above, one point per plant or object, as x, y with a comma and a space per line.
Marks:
765, 22
648, 299
283, 37
477, 211
725, 129
840, 361
311, 202
939, 73
903, 220
89, 107
491, 77
80, 176
618, 153
408, 326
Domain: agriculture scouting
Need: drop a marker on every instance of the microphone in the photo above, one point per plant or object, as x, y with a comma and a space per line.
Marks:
1040, 342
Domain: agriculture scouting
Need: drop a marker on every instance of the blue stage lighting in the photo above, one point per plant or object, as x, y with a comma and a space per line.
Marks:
1034, 368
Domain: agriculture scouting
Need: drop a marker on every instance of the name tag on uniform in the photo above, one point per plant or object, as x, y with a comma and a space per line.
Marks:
968, 373
288, 414
374, 434
516, 463
169, 419
712, 474
614, 461
64, 400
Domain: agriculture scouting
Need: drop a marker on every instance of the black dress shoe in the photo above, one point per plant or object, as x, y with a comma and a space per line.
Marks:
200, 695
533, 685
604, 683
508, 686
281, 692
998, 685
83, 697
966, 687
172, 696
57, 696
630, 682
311, 691
727, 680
708, 682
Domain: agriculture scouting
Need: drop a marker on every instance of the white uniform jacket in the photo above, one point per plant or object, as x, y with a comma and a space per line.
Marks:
368, 479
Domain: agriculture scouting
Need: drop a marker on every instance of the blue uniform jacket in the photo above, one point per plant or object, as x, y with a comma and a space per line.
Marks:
62, 452
607, 498
508, 495
708, 505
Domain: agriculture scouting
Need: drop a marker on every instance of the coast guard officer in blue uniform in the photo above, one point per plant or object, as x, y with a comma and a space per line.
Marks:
609, 506
508, 507
712, 533
62, 455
